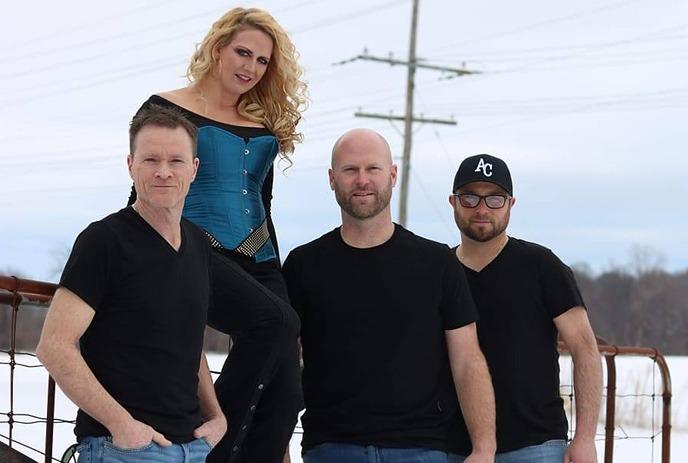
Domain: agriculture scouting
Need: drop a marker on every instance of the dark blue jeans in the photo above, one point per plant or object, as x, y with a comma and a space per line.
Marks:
347, 453
259, 388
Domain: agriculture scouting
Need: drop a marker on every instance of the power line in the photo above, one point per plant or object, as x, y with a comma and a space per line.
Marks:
442, 217
671, 98
593, 56
546, 101
608, 45
539, 24
604, 64
86, 59
570, 47
96, 22
339, 18
412, 63
325, 127
81, 44
110, 78
579, 109
37, 161
521, 68
32, 55
445, 151
138, 71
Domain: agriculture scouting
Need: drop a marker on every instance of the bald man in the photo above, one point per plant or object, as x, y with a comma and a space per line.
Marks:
388, 330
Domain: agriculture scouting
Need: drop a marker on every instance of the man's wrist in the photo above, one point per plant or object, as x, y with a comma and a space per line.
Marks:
582, 436
119, 424
485, 448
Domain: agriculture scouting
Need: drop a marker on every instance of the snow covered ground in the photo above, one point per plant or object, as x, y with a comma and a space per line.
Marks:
638, 381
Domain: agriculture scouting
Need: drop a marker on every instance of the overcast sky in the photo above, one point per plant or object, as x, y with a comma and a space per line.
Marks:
587, 101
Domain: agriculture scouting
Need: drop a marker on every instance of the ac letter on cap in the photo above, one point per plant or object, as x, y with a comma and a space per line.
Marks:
485, 167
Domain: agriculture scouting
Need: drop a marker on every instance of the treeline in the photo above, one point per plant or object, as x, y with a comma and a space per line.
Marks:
641, 307
638, 308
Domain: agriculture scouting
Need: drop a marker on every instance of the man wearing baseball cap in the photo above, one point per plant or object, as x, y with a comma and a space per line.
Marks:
525, 295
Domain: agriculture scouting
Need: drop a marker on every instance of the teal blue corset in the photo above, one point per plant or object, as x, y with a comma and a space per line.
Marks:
225, 199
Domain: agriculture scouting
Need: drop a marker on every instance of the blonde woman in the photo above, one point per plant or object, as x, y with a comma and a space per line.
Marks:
245, 95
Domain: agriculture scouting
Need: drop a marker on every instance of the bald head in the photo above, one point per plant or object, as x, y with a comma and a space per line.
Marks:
358, 141
362, 175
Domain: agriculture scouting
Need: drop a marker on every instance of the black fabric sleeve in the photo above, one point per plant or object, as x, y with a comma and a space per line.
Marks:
457, 306
559, 288
294, 279
89, 266
266, 196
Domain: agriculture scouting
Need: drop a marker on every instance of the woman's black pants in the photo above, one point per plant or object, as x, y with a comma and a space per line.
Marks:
259, 388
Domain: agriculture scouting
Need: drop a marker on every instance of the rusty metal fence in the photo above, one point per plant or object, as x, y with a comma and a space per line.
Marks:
610, 353
15, 291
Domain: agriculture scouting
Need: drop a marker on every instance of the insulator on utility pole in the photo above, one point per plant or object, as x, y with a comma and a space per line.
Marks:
412, 64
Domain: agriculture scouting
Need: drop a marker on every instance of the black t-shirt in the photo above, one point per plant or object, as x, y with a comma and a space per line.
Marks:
518, 295
145, 341
376, 369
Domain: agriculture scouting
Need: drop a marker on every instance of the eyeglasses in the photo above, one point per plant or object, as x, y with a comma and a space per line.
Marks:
471, 201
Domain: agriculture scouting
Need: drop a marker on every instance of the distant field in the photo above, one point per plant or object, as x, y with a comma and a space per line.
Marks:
634, 414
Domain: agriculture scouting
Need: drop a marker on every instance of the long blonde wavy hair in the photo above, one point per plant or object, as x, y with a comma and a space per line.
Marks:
279, 97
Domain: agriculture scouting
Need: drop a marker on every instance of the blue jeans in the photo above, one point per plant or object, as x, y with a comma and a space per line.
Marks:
102, 450
551, 451
348, 453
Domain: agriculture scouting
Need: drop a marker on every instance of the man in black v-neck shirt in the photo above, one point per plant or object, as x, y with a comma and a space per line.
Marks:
525, 295
387, 320
124, 333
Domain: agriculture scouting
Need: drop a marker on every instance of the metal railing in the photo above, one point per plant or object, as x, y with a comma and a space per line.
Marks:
15, 291
609, 353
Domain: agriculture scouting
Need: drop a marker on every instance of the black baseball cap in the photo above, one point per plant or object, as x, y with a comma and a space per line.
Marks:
483, 168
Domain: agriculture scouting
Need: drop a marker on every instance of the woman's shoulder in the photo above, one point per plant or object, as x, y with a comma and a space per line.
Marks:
196, 109
180, 97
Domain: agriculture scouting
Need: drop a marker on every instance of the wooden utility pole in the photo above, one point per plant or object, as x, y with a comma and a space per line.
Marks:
408, 117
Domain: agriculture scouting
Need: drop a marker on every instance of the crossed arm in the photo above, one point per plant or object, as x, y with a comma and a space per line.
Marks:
474, 389
58, 349
575, 330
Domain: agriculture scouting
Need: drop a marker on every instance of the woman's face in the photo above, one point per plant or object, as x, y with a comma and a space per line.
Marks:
243, 61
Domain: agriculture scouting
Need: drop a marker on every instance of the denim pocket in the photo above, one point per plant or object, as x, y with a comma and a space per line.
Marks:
109, 445
83, 451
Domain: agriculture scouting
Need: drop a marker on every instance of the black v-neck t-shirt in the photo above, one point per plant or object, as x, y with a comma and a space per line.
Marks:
518, 295
144, 342
376, 369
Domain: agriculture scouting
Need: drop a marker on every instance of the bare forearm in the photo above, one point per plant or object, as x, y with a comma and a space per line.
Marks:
215, 423
474, 390
206, 392
587, 375
476, 396
70, 371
